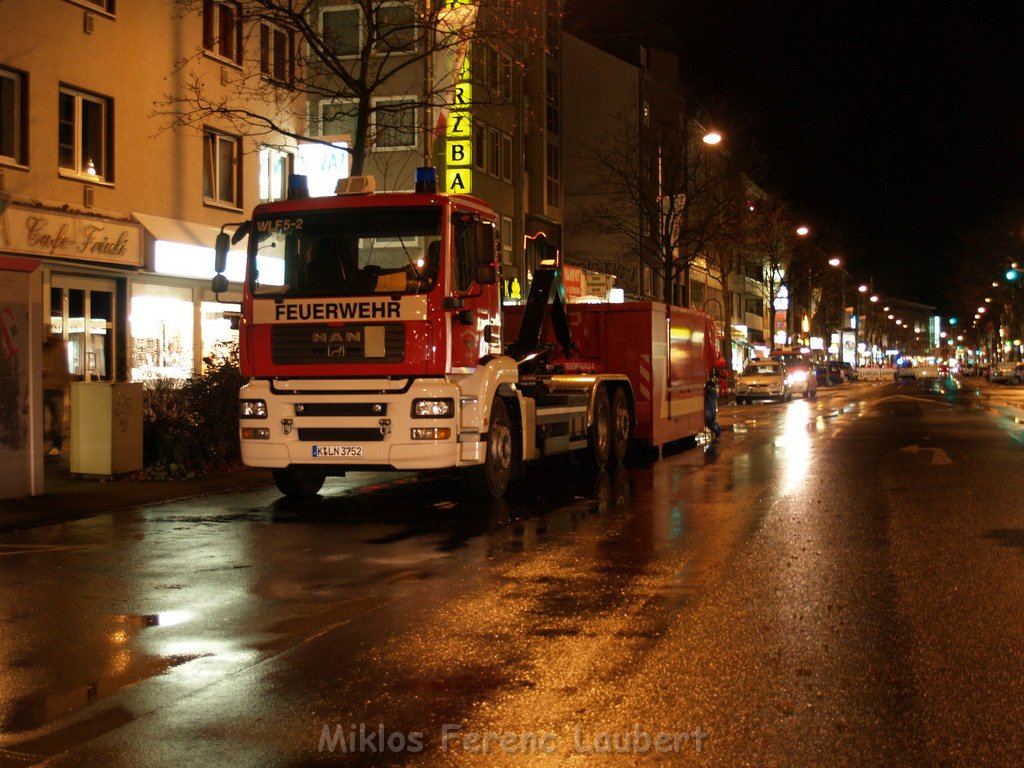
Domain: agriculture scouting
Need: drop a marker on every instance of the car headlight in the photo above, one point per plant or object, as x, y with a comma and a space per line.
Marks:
252, 409
438, 408
798, 376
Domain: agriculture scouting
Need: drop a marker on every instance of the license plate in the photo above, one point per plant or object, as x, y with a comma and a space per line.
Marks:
337, 451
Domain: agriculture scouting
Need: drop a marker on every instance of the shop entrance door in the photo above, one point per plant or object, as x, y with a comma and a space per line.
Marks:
82, 311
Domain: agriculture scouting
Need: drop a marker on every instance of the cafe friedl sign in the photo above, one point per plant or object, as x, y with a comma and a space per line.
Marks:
39, 232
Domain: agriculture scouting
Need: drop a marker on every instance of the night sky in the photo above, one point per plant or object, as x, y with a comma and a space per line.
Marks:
895, 129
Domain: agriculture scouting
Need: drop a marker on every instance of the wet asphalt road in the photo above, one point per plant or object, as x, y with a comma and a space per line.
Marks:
836, 582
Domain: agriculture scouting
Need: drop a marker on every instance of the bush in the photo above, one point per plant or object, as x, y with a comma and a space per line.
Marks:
191, 425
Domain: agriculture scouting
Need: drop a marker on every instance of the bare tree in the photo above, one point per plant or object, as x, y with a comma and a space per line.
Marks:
767, 240
314, 70
666, 196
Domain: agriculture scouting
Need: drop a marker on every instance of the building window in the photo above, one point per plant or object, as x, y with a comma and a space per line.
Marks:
493, 151
104, 6
222, 29
396, 27
344, 33
338, 118
221, 168
552, 108
393, 122
554, 175
13, 116
505, 77
505, 157
479, 146
275, 165
276, 57
83, 135
506, 240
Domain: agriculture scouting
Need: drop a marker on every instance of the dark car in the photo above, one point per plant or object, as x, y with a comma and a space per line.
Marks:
849, 371
830, 373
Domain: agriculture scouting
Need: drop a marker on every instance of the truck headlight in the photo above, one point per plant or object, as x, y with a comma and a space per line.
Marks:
252, 409
439, 408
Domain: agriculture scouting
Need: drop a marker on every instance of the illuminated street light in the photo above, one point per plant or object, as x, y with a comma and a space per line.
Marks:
874, 299
981, 310
712, 138
802, 230
835, 261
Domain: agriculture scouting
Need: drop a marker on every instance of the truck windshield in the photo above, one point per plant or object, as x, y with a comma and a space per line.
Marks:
346, 252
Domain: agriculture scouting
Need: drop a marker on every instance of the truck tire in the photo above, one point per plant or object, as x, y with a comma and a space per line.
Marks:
601, 430
622, 425
490, 479
299, 483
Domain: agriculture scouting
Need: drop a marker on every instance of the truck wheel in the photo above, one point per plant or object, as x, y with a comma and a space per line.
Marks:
299, 483
622, 425
490, 479
601, 430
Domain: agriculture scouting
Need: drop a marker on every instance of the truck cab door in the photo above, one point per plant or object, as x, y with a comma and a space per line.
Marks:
476, 325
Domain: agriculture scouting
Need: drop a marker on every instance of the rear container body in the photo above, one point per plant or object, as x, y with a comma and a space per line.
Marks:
664, 351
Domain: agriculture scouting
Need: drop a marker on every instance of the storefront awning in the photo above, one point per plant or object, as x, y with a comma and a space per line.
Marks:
185, 248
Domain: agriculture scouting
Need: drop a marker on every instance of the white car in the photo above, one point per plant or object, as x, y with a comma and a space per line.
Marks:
928, 372
763, 379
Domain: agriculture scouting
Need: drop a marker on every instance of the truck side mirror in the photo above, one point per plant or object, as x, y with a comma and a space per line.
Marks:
220, 252
219, 284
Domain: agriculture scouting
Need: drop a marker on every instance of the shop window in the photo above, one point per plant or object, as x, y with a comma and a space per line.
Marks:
222, 29
275, 165
276, 46
221, 168
13, 116
217, 334
83, 135
162, 329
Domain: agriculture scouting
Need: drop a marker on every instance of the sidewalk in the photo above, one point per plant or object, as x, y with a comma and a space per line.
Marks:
72, 497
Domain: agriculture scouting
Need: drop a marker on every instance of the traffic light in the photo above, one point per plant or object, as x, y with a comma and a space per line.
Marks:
952, 321
1011, 274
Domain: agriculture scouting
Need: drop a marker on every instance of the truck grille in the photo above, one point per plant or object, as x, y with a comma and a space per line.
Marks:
340, 435
337, 345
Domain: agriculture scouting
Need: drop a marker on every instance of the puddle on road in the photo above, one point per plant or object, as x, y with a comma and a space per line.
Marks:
32, 712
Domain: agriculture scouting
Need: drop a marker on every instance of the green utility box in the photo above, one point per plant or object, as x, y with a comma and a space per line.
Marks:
106, 428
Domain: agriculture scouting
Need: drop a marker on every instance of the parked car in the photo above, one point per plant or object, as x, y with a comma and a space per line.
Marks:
830, 373
849, 371
1002, 372
763, 379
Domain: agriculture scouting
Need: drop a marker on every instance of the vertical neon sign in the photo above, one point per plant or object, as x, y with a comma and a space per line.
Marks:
459, 126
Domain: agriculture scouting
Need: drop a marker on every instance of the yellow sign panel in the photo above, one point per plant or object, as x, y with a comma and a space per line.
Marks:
458, 181
460, 125
460, 152
462, 98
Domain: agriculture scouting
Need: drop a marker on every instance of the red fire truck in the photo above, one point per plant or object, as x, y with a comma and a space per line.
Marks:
372, 335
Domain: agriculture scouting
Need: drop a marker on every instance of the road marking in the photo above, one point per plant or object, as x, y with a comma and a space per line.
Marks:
939, 456
911, 397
